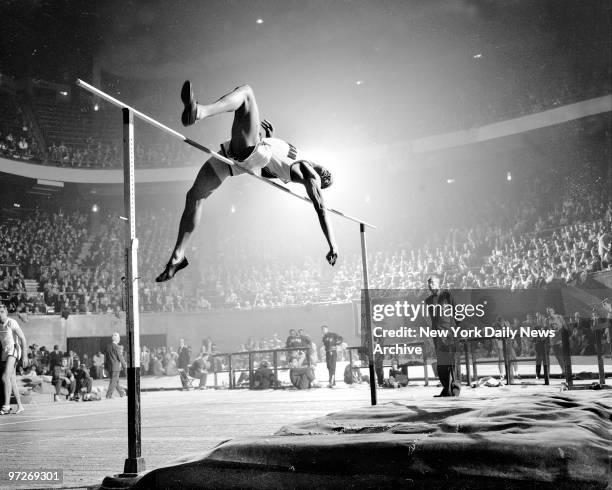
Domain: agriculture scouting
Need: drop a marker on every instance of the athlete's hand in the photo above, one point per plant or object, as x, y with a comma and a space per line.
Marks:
268, 128
332, 256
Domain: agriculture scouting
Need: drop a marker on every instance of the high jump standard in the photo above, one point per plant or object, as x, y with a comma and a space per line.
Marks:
134, 464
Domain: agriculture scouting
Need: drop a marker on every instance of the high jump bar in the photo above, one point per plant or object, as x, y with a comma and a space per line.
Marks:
195, 144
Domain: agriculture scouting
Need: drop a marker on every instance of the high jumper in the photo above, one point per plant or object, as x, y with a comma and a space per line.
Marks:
252, 148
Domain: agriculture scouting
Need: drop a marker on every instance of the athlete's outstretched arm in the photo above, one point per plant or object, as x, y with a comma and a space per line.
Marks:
312, 183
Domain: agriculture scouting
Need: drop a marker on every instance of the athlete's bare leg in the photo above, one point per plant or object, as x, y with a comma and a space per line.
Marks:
209, 178
241, 101
245, 136
9, 367
16, 388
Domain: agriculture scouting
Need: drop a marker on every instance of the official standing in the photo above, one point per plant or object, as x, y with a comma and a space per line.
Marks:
446, 347
331, 341
114, 363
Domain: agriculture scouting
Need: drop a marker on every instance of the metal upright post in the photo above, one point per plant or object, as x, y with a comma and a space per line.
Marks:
507, 363
546, 362
567, 357
599, 350
368, 315
134, 463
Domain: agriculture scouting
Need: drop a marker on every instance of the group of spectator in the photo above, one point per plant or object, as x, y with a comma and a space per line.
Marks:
470, 110
553, 232
75, 372
45, 246
43, 361
20, 147
96, 153
16, 140
298, 353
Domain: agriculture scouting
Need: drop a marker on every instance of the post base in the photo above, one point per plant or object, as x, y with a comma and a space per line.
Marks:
133, 466
122, 480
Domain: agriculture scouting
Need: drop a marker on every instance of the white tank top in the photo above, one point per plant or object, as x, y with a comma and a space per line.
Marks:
7, 336
276, 155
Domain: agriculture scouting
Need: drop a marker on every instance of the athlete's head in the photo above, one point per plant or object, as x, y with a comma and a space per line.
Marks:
326, 176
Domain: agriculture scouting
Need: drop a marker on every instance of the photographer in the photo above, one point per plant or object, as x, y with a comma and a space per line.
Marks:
199, 369
83, 380
63, 377
301, 377
263, 377
398, 377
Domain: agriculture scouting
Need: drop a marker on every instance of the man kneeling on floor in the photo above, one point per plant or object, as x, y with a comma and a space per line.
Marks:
301, 377
83, 380
199, 369
263, 377
63, 377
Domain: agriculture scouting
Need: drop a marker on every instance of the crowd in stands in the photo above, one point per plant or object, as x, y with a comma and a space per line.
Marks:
555, 233
517, 248
16, 141
479, 108
19, 147
69, 142
95, 153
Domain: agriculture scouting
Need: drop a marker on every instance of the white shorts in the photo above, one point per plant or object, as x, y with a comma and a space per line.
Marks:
275, 154
258, 159
11, 351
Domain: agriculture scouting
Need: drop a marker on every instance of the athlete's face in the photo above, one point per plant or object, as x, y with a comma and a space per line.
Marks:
3, 314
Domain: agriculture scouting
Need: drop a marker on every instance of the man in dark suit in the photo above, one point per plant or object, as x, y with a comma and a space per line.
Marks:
446, 348
331, 341
183, 355
55, 358
114, 362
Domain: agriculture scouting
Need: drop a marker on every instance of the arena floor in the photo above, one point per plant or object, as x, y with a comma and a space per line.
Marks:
88, 440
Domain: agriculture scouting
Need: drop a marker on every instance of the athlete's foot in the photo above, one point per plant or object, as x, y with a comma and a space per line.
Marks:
190, 112
171, 269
